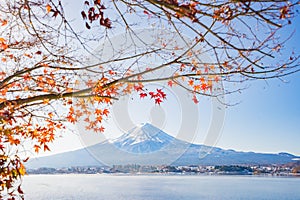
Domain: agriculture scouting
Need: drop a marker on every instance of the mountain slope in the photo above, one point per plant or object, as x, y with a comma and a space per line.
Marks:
148, 145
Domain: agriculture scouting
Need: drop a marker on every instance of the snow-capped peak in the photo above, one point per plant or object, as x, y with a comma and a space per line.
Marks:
143, 138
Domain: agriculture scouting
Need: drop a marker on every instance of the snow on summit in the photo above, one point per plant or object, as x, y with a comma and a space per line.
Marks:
143, 138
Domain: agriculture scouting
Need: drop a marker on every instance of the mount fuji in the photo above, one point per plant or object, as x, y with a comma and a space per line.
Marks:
146, 144
143, 138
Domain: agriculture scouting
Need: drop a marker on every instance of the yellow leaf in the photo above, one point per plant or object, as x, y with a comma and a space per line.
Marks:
22, 170
46, 101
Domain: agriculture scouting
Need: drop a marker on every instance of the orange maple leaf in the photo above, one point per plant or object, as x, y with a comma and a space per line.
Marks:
196, 87
105, 112
191, 82
99, 118
101, 129
4, 22
98, 111
46, 148
36, 148
48, 8
3, 44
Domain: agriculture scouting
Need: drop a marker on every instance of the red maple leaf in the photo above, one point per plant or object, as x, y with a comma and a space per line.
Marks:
195, 99
152, 94
111, 72
170, 83
161, 93
204, 86
158, 101
206, 70
142, 95
138, 88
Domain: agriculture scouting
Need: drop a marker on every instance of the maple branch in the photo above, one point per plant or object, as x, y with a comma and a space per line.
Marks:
77, 94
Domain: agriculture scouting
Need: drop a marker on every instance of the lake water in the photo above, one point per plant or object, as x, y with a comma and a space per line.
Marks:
159, 187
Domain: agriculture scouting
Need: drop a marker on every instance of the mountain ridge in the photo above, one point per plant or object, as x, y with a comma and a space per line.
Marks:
147, 145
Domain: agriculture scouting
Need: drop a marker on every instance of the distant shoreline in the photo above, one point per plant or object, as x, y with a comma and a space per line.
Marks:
171, 174
134, 169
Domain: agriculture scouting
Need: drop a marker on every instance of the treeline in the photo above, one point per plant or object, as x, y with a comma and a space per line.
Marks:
234, 168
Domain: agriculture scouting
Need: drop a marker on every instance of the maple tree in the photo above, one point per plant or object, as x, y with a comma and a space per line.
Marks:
42, 50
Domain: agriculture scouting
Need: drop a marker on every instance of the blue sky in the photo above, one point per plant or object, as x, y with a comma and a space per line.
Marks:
267, 119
